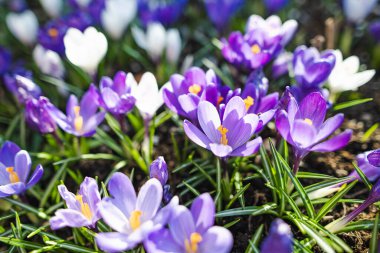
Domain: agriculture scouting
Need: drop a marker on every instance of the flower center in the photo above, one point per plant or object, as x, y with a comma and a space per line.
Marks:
134, 220
249, 101
195, 89
308, 121
256, 49
84, 207
78, 120
220, 100
192, 245
13, 176
223, 131
53, 32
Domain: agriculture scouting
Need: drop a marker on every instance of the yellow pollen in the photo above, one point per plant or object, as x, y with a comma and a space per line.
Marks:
195, 89
308, 121
53, 32
192, 245
84, 207
220, 100
134, 220
256, 49
78, 120
223, 131
249, 101
13, 176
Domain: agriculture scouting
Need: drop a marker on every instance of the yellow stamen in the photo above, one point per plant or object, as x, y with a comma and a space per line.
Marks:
134, 220
84, 207
223, 131
78, 120
249, 101
192, 245
256, 49
308, 121
220, 100
195, 89
13, 176
53, 32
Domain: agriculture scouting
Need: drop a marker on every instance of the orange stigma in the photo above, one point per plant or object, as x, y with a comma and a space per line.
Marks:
195, 89
13, 176
249, 101
53, 32
84, 207
134, 220
256, 49
223, 131
308, 121
78, 120
192, 245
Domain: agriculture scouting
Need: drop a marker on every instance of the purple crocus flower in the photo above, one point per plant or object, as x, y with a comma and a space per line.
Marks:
51, 36
15, 167
81, 118
281, 64
280, 238
79, 20
229, 136
274, 6
191, 231
5, 60
17, 5
116, 94
374, 30
37, 116
162, 11
82, 208
159, 170
133, 218
303, 127
19, 83
221, 11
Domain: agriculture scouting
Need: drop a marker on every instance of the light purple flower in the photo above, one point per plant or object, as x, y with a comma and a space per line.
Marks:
274, 6
82, 118
159, 170
164, 12
15, 167
37, 116
229, 136
20, 84
280, 238
191, 231
82, 208
133, 218
281, 64
116, 94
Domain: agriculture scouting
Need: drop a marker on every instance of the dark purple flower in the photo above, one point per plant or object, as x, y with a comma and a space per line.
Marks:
37, 116
82, 208
191, 231
5, 60
116, 94
280, 238
274, 6
281, 64
303, 126
229, 136
95, 9
79, 20
81, 119
159, 170
19, 83
15, 167
221, 11
312, 69
162, 11
374, 30
17, 5
51, 36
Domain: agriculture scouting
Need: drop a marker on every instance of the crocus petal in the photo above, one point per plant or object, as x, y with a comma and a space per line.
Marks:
303, 133
235, 109
149, 199
36, 176
90, 192
283, 126
242, 131
91, 124
68, 218
113, 216
203, 211
314, 107
249, 148
195, 134
8, 152
22, 165
181, 225
161, 241
209, 120
189, 104
267, 116
89, 103
112, 242
329, 126
220, 149
68, 197
374, 158
164, 214
335, 143
216, 239
110, 98
10, 189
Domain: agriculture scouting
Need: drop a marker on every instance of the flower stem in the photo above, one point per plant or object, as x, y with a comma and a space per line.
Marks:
146, 142
123, 123
296, 165
218, 185
57, 138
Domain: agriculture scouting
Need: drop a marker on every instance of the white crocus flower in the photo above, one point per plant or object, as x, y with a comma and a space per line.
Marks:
148, 97
357, 10
86, 49
83, 3
117, 15
24, 26
48, 62
345, 75
156, 39
52, 7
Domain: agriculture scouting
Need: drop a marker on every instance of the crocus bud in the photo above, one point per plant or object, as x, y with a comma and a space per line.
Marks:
37, 116
52, 7
158, 169
280, 238
49, 62
24, 26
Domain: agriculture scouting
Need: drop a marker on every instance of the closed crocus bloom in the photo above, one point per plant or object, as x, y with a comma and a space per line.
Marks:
147, 90
24, 26
82, 208
15, 165
117, 15
21, 86
48, 61
229, 136
116, 94
357, 10
81, 118
280, 238
132, 217
274, 6
86, 49
221, 11
52, 7
173, 46
37, 116
159, 170
191, 231
346, 76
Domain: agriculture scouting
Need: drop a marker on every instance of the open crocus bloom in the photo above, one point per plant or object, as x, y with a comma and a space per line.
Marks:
82, 208
37, 116
303, 126
345, 75
81, 119
191, 231
15, 167
132, 217
280, 238
229, 136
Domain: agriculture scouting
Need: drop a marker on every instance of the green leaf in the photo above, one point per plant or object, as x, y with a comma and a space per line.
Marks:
20, 243
362, 176
249, 210
52, 184
312, 175
254, 242
41, 214
369, 132
192, 189
348, 104
316, 236
230, 224
373, 245
237, 195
